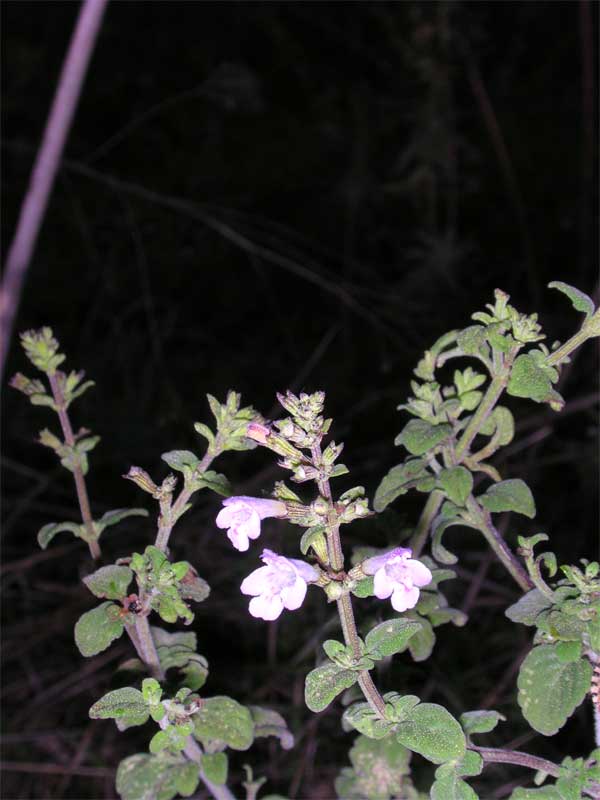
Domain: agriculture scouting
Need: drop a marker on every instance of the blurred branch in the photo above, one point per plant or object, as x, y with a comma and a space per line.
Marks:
46, 164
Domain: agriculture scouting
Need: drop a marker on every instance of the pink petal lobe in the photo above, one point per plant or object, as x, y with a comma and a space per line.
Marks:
267, 607
306, 571
403, 598
293, 596
382, 586
420, 574
256, 582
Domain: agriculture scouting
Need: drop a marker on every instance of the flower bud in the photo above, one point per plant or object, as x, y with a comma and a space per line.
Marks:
141, 478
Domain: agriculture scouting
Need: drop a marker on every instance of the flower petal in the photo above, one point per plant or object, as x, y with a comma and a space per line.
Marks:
293, 596
256, 582
224, 517
238, 539
306, 571
382, 585
419, 573
266, 606
371, 565
403, 598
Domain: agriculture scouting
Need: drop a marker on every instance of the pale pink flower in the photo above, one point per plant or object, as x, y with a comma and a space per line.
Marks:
399, 576
278, 585
243, 515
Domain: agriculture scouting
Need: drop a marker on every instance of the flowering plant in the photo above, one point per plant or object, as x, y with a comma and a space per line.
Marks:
451, 441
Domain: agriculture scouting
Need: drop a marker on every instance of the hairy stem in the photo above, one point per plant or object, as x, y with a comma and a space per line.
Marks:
429, 513
193, 751
496, 542
344, 603
493, 755
80, 486
565, 350
166, 522
147, 650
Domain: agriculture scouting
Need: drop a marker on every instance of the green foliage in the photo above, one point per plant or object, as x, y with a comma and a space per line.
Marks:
480, 721
270, 723
511, 495
156, 777
429, 729
531, 378
379, 771
457, 483
178, 651
97, 629
109, 582
449, 783
550, 689
126, 704
41, 348
222, 719
49, 531
390, 637
232, 423
324, 683
215, 766
420, 437
580, 300
195, 478
398, 481
163, 582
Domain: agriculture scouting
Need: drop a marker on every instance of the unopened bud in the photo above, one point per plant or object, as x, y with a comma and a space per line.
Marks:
141, 478
259, 433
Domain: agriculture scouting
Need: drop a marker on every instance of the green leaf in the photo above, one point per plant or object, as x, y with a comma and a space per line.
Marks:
480, 721
181, 460
419, 436
457, 482
215, 766
568, 651
178, 650
433, 732
223, 719
362, 718
126, 702
311, 537
500, 424
147, 777
98, 628
511, 495
449, 785
529, 380
422, 643
379, 769
398, 481
543, 793
270, 723
438, 528
214, 481
188, 777
324, 683
159, 742
193, 587
364, 588
580, 300
527, 609
110, 582
471, 339
551, 689
116, 515
390, 637
49, 531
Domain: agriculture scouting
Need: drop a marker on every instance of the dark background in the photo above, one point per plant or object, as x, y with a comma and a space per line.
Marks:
272, 195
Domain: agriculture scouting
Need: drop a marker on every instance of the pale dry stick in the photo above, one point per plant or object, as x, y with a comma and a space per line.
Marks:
46, 165
82, 495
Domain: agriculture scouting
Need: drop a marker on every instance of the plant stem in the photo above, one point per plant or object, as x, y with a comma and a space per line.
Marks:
497, 756
484, 409
496, 542
193, 751
80, 486
166, 523
430, 510
147, 650
344, 603
567, 348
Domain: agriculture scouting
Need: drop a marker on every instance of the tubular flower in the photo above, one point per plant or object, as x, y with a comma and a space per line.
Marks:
280, 584
242, 516
399, 576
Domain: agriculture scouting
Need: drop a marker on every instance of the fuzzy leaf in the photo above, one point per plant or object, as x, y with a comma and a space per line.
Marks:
362, 718
49, 531
422, 643
543, 793
433, 732
398, 481
471, 339
324, 683
580, 300
116, 515
215, 767
529, 380
148, 777
270, 723
188, 777
390, 637
379, 768
480, 721
126, 702
97, 629
511, 495
419, 436
457, 482
551, 689
181, 460
223, 719
449, 785
110, 582
527, 609
214, 481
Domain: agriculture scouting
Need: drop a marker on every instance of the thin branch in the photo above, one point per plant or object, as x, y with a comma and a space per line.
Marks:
46, 165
